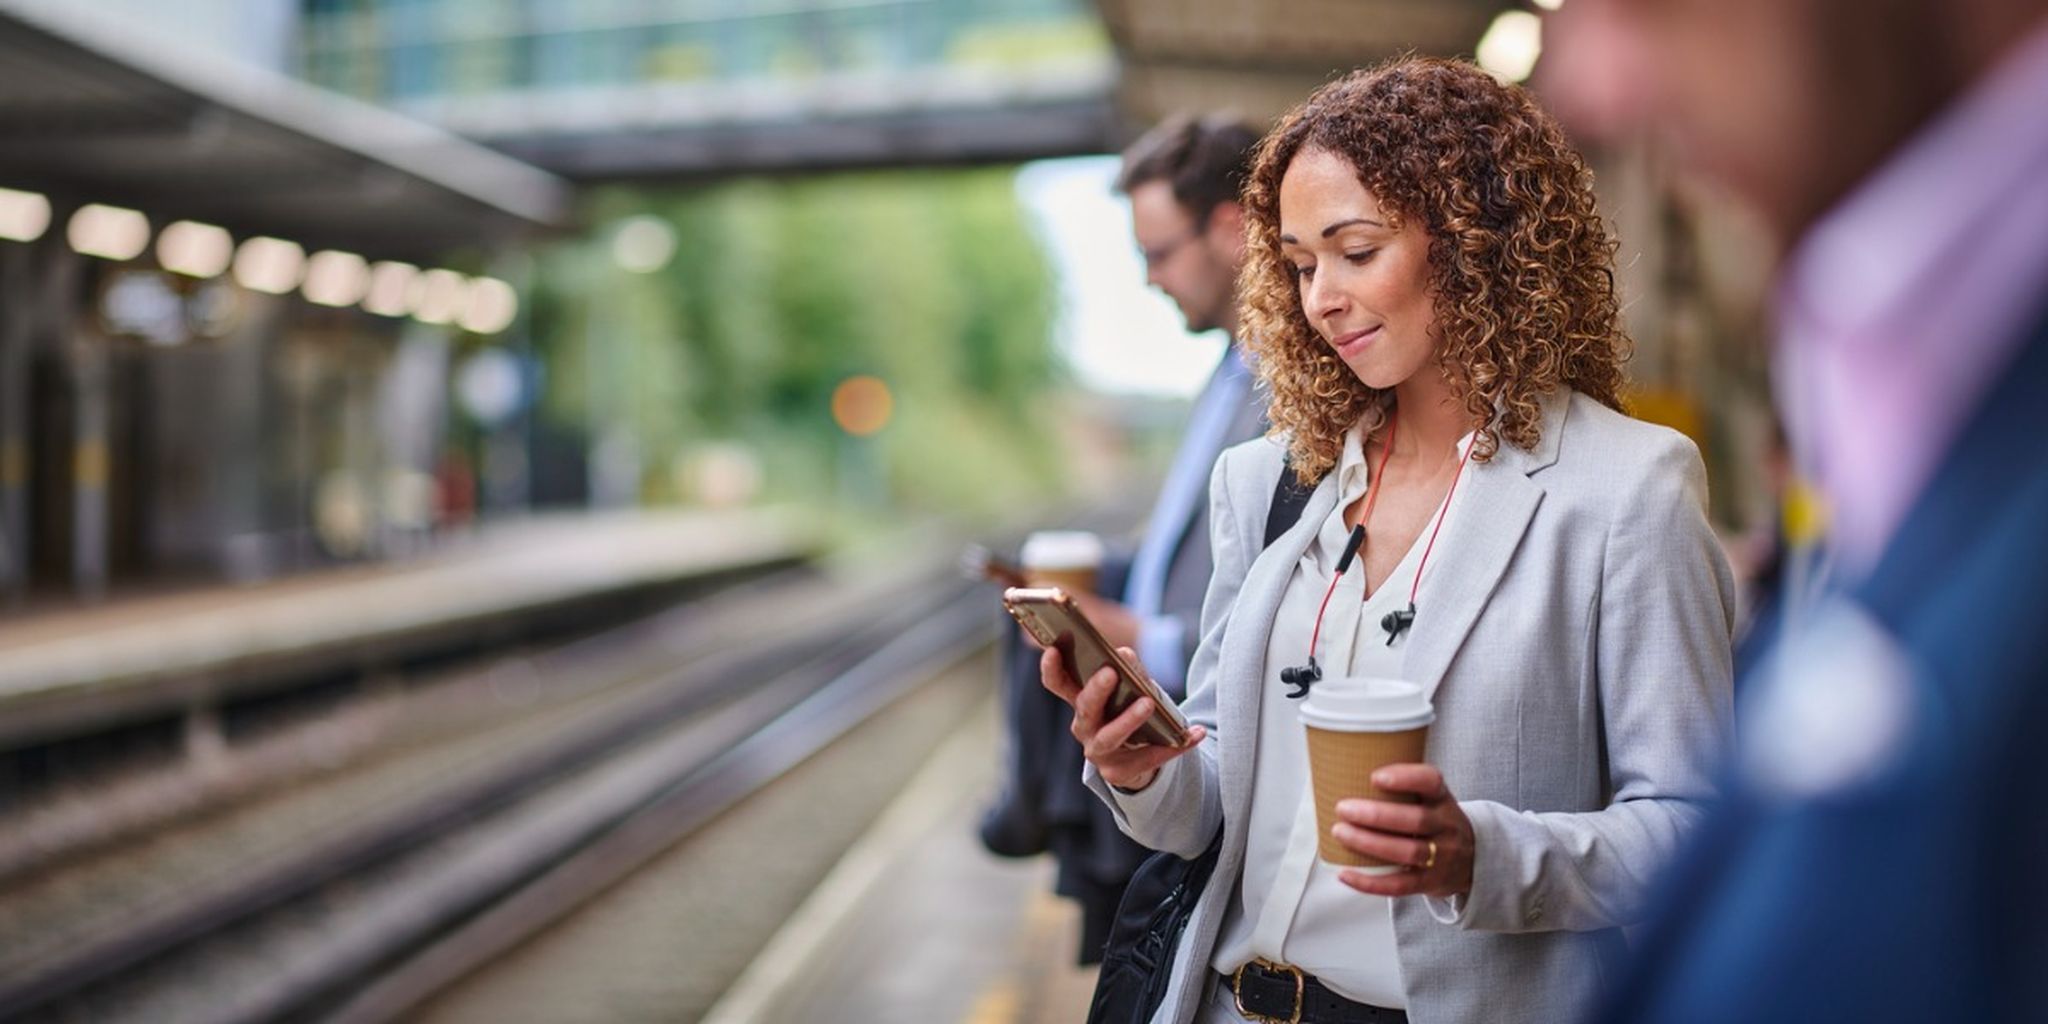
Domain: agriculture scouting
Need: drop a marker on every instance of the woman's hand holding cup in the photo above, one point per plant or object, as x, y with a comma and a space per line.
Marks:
1386, 817
1432, 837
1105, 740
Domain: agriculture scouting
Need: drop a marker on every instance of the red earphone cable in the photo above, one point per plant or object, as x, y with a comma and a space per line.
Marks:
1445, 514
1372, 494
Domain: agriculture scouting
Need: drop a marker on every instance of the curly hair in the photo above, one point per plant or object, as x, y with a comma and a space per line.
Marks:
1521, 267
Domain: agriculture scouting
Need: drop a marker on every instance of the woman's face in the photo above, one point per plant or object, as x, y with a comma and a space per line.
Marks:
1364, 285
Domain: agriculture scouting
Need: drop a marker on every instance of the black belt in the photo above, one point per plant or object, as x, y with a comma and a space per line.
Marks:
1282, 993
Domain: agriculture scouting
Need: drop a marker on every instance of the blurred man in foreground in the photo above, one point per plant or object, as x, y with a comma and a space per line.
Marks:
1881, 855
1183, 179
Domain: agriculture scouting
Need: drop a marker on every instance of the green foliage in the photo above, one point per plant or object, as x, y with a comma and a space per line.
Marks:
779, 290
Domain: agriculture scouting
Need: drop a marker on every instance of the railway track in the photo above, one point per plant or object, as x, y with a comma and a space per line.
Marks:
365, 918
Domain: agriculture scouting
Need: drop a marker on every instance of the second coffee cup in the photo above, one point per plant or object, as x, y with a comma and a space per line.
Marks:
1068, 559
1355, 726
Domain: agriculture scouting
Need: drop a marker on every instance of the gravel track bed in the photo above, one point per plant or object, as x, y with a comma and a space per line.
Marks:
494, 718
664, 944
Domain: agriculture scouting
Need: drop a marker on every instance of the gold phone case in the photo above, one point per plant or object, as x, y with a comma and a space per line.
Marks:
1054, 620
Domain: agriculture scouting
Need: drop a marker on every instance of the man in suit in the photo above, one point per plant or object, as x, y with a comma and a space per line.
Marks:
1182, 179
1880, 854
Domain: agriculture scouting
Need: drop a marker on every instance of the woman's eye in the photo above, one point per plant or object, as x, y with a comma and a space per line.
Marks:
1361, 255
1306, 272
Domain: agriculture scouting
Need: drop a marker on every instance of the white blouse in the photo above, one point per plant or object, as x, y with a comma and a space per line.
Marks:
1289, 906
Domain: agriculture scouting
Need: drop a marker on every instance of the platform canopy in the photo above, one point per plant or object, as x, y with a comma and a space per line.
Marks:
1258, 59
93, 110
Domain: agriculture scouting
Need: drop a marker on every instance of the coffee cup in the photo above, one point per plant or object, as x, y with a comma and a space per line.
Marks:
1355, 726
1068, 559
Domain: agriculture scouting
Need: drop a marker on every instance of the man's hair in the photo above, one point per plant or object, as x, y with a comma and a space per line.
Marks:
1204, 159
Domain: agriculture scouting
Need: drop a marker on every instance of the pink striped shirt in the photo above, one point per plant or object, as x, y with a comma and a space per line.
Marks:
1900, 307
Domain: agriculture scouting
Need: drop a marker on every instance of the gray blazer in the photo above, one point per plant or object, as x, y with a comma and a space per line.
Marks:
1578, 645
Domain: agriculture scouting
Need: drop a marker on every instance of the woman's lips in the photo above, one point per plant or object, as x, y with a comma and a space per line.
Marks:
1349, 345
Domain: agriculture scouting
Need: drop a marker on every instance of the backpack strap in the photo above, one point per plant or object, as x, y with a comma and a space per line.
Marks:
1290, 496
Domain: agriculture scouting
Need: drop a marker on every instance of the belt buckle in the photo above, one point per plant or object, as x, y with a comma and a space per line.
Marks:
1237, 990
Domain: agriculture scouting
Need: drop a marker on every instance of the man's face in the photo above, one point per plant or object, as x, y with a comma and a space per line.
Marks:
1194, 263
1786, 102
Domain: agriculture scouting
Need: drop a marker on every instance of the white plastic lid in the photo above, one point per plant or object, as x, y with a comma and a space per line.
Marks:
1061, 549
1366, 704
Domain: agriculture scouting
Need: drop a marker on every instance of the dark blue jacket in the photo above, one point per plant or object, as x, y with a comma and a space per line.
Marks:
1915, 886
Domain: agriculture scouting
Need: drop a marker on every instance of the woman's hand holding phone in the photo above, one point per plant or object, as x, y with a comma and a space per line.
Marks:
1106, 741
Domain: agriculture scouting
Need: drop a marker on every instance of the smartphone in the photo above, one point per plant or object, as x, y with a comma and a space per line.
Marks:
1055, 621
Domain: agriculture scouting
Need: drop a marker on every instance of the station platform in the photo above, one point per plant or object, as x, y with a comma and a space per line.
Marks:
918, 922
65, 669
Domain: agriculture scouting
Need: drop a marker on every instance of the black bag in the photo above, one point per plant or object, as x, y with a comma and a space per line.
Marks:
1137, 962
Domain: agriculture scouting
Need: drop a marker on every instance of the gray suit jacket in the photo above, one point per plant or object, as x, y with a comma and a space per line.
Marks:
1578, 648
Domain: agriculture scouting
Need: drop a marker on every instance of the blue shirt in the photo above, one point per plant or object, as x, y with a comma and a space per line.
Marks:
1161, 637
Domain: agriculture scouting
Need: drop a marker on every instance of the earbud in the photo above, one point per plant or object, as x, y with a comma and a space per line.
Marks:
1397, 622
1301, 677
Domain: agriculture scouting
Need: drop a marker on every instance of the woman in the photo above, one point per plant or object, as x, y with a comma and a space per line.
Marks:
1431, 299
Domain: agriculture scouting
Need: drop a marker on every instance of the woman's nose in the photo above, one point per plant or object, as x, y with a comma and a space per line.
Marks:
1322, 300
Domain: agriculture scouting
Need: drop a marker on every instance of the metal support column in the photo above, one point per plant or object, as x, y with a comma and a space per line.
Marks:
17, 311
56, 283
506, 485
65, 328
87, 360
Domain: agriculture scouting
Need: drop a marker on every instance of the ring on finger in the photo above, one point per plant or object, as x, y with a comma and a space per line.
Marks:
1430, 861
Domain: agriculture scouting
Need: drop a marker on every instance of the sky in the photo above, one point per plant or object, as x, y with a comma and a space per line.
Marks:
1118, 334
